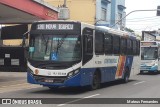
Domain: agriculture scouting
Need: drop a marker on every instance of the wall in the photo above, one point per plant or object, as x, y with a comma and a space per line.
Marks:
99, 5
80, 10
115, 10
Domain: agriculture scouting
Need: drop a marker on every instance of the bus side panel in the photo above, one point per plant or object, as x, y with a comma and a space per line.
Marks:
128, 63
30, 78
135, 69
158, 64
87, 75
108, 74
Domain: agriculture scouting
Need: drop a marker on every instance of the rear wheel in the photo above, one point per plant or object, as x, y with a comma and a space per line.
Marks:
95, 81
141, 72
126, 76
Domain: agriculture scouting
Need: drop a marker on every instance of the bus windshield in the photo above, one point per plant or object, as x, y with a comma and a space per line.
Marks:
149, 53
55, 48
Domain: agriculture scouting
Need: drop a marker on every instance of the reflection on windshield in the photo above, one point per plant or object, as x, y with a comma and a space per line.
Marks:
149, 53
55, 48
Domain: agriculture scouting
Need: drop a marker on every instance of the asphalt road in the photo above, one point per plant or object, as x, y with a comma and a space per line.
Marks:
139, 86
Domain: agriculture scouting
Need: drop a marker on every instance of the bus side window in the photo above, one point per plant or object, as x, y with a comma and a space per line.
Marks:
88, 44
108, 45
99, 45
135, 47
123, 46
158, 52
116, 44
129, 47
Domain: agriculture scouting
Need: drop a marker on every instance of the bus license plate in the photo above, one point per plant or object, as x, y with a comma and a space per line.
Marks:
48, 80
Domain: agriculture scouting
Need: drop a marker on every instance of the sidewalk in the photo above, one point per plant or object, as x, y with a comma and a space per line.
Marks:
14, 81
12, 76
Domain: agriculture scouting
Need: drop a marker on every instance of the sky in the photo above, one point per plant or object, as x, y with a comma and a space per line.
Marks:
142, 20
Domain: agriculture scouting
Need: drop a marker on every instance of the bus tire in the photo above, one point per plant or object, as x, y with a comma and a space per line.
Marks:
126, 75
53, 88
96, 81
141, 72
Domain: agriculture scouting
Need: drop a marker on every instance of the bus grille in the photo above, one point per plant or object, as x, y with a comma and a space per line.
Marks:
145, 67
47, 79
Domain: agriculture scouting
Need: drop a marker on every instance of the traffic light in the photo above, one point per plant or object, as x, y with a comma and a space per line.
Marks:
158, 10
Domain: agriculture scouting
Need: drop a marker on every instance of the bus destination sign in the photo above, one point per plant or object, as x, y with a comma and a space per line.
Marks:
148, 43
55, 26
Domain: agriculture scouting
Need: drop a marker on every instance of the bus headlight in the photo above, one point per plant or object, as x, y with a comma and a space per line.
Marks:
72, 73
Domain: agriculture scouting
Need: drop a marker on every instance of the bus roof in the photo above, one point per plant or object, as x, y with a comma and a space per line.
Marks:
103, 28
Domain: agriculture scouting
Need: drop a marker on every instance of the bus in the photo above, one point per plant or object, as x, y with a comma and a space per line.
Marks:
72, 54
150, 53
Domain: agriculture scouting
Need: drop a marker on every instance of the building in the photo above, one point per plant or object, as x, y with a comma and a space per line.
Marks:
97, 12
23, 12
117, 13
150, 35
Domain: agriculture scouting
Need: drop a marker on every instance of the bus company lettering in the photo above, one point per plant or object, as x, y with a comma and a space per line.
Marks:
110, 61
55, 26
66, 26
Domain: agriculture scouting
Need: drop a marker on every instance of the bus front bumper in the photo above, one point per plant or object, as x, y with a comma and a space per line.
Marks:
54, 82
149, 68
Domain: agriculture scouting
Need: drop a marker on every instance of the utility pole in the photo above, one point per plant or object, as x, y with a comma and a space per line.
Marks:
64, 12
65, 3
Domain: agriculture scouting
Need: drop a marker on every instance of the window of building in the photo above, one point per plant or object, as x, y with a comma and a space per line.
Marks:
104, 14
119, 18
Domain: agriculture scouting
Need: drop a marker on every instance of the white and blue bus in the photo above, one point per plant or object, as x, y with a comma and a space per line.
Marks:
71, 53
150, 54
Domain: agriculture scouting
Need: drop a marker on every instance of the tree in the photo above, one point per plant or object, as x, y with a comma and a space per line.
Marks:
129, 30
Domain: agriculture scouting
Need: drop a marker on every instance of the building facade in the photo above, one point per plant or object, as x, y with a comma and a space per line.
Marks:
96, 12
117, 13
151, 35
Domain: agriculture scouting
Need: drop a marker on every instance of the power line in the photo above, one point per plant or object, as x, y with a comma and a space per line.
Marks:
141, 18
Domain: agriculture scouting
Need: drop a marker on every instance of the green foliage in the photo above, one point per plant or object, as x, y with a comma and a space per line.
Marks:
129, 30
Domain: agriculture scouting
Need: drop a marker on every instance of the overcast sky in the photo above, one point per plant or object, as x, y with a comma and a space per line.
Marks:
139, 21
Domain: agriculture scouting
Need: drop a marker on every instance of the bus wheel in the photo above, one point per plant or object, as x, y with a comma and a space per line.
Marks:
141, 72
126, 76
53, 88
96, 81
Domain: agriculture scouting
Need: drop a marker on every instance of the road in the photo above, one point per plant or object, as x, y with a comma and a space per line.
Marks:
139, 86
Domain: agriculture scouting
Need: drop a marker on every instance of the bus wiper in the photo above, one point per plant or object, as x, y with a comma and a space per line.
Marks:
46, 42
60, 42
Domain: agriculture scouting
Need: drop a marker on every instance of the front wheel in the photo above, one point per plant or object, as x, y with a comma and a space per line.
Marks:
53, 88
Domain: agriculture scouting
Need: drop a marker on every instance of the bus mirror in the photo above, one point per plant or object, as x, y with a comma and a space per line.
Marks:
24, 38
26, 34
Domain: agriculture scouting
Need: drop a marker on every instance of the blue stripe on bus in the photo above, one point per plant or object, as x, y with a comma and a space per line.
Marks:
129, 61
85, 76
